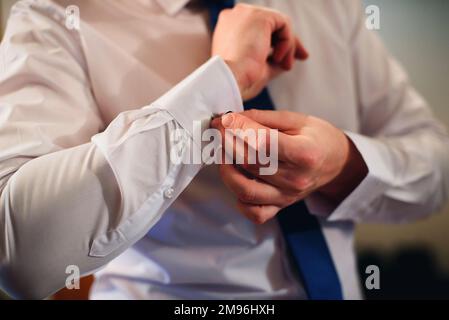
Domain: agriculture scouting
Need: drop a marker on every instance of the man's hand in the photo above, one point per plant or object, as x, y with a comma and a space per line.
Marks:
314, 156
257, 44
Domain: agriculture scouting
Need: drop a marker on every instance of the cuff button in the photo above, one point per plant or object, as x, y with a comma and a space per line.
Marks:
169, 193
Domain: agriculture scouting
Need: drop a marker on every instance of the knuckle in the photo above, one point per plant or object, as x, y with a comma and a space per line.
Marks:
286, 18
302, 184
224, 14
252, 113
243, 7
260, 14
239, 122
293, 155
286, 114
311, 159
289, 199
246, 194
259, 219
264, 214
240, 6
258, 215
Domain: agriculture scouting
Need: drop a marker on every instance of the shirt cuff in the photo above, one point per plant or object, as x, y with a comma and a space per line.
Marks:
209, 91
360, 203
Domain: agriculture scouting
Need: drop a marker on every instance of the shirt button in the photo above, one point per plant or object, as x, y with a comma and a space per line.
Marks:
169, 193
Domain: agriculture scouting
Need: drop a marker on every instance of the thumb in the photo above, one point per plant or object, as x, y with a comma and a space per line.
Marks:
283, 121
300, 53
243, 121
245, 129
235, 121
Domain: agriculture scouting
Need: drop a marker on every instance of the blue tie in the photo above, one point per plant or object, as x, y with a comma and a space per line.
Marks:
302, 231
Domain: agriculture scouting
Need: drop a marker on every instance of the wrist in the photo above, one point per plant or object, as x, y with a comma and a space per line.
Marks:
352, 174
239, 76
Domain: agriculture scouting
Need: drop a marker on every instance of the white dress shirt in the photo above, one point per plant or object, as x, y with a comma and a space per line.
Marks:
85, 172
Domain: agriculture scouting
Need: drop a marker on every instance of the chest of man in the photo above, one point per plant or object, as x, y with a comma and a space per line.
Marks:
135, 53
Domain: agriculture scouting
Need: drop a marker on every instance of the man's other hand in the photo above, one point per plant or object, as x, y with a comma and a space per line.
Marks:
257, 44
314, 156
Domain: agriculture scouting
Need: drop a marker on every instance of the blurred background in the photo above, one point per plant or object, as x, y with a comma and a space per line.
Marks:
413, 259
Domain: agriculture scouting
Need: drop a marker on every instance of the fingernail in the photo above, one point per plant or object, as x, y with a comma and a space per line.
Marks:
227, 120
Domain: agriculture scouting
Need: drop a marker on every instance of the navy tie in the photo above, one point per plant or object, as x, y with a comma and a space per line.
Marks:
302, 231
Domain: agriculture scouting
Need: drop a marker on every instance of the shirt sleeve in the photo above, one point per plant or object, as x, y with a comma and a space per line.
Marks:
405, 147
73, 192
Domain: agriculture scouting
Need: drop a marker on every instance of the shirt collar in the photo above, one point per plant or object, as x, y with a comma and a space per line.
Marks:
172, 7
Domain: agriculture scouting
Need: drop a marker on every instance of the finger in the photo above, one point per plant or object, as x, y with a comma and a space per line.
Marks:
283, 41
241, 130
234, 121
250, 190
280, 145
293, 183
287, 40
238, 123
285, 121
289, 59
256, 213
280, 50
283, 51
301, 52
281, 27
